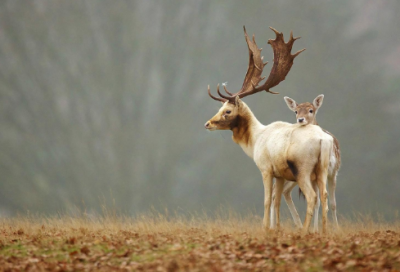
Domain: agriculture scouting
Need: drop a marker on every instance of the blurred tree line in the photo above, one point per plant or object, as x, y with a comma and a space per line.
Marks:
102, 103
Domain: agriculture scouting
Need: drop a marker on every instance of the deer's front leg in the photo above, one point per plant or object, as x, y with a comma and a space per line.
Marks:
267, 180
278, 194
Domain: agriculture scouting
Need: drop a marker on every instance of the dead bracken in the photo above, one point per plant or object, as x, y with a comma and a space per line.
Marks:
158, 244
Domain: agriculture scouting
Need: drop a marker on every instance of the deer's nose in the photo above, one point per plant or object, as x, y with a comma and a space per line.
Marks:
206, 125
300, 120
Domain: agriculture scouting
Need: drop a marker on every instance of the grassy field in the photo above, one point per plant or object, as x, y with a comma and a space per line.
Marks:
155, 243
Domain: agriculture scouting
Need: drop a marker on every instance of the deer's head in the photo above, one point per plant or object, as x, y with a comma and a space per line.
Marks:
305, 112
227, 115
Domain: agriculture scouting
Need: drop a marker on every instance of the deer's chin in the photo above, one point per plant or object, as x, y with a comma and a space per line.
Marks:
302, 124
211, 128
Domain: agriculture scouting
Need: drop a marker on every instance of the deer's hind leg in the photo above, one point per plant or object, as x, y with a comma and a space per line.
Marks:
324, 200
332, 198
287, 193
315, 186
311, 197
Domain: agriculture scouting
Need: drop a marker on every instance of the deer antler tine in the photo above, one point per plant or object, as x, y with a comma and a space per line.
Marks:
297, 53
226, 90
213, 97
291, 40
272, 92
274, 30
245, 32
223, 96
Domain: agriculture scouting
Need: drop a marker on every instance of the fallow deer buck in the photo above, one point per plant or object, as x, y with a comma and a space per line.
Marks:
306, 113
281, 150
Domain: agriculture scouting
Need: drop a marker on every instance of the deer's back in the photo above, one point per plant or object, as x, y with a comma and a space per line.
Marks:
282, 145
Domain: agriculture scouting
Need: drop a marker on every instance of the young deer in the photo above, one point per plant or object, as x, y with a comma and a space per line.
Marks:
280, 150
306, 114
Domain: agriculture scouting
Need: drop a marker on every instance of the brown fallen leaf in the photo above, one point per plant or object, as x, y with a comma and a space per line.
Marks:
73, 253
85, 250
173, 266
71, 241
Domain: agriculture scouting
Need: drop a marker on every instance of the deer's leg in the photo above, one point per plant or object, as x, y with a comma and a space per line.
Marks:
287, 193
272, 215
332, 198
267, 180
324, 199
278, 195
311, 197
315, 187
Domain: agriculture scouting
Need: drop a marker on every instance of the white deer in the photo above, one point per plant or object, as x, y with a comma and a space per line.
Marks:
306, 113
280, 150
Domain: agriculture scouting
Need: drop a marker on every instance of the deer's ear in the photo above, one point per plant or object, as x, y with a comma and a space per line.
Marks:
290, 103
318, 101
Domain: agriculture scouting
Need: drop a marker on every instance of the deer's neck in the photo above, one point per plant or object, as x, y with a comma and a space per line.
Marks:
246, 130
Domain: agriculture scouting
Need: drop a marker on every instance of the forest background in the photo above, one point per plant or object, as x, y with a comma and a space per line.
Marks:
102, 103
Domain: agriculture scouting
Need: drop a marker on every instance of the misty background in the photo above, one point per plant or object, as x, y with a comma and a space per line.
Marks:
102, 103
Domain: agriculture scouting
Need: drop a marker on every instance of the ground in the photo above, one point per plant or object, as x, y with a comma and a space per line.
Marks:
158, 243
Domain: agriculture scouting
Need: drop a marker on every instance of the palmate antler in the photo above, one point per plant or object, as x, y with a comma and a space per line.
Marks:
283, 61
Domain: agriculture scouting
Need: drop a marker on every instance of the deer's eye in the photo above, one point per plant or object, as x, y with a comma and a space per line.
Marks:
295, 112
228, 111
311, 111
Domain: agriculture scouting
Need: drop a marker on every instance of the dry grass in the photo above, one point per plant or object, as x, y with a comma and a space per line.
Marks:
158, 243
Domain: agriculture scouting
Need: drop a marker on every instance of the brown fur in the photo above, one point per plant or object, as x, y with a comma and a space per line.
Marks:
241, 130
303, 111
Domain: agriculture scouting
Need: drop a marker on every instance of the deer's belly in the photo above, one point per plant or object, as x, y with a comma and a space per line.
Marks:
285, 169
290, 172
285, 174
